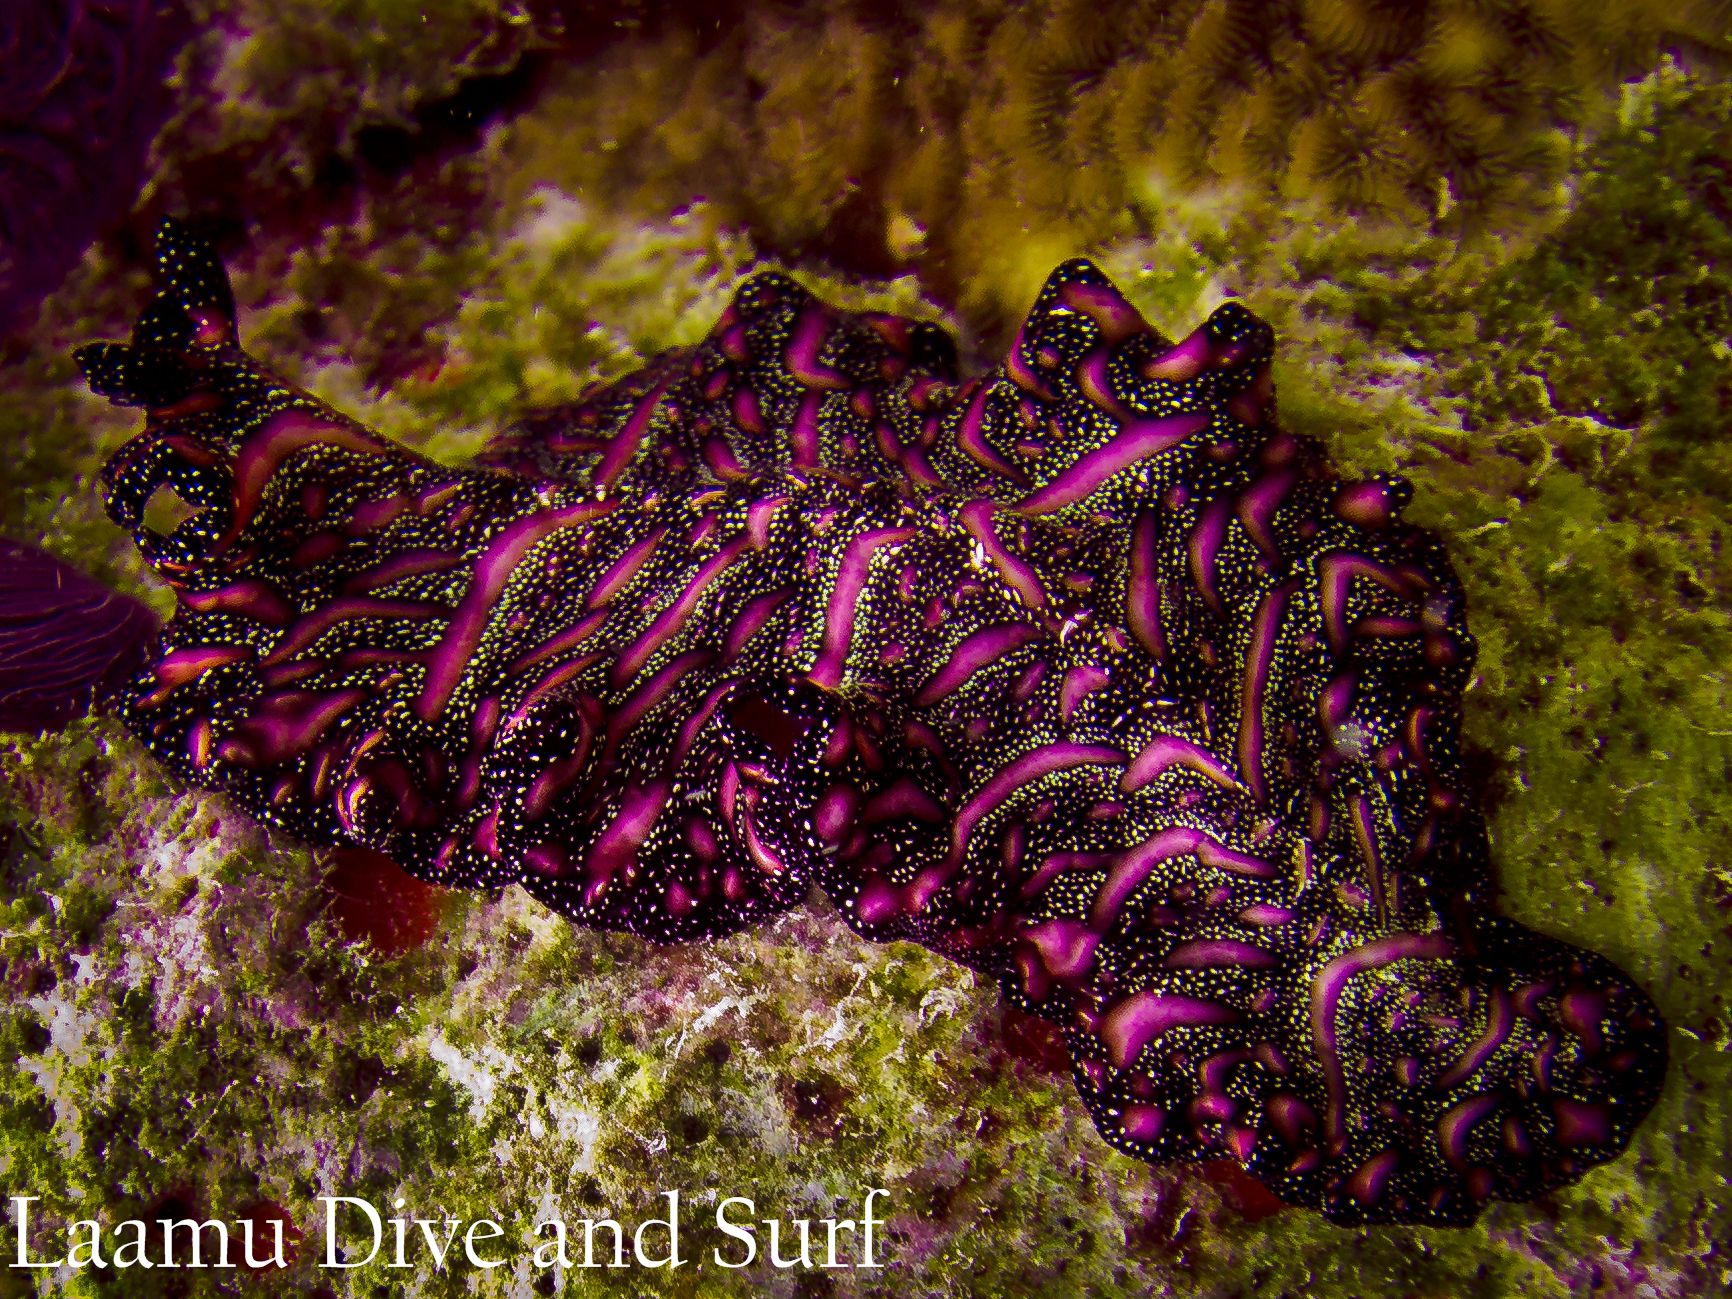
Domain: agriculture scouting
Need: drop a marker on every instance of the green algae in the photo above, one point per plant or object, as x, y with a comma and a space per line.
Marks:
183, 1023
982, 143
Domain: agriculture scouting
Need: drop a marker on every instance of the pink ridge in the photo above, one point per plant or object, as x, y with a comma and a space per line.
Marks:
1326, 994
492, 570
844, 597
1145, 1016
1138, 440
977, 519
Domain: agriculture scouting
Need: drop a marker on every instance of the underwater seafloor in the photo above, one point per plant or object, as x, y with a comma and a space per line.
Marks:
438, 215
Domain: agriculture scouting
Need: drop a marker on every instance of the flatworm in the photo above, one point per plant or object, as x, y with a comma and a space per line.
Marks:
1083, 673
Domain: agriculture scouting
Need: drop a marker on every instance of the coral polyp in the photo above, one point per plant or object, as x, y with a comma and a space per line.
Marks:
1084, 673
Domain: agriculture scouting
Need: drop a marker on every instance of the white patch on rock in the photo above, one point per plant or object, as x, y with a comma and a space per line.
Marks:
476, 1074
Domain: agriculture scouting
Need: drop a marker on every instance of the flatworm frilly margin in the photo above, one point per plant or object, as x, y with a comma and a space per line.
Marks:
1083, 673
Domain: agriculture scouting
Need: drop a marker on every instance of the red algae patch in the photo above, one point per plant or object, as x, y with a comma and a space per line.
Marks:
262, 1218
1036, 1041
1242, 1192
376, 901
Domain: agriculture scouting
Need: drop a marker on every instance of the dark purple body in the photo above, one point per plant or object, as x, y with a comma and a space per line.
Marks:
1082, 673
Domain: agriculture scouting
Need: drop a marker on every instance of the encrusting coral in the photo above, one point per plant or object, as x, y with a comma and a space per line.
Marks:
892, 136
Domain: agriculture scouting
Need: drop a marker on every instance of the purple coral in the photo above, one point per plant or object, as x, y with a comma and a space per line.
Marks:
65, 640
1083, 673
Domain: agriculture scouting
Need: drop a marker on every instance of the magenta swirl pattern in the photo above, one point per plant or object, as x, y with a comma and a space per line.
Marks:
1083, 673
